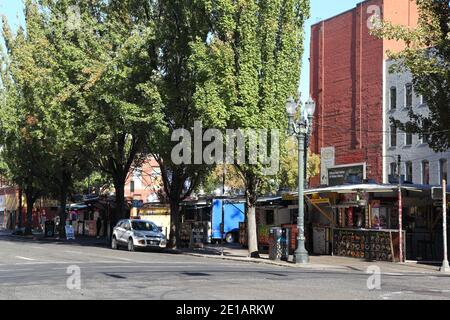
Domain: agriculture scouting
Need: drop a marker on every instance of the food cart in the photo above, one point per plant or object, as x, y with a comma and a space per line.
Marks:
363, 219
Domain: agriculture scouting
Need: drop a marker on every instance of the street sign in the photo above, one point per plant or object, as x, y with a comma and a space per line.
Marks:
327, 160
346, 174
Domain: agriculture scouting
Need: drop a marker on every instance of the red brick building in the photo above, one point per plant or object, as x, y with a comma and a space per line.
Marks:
144, 182
347, 79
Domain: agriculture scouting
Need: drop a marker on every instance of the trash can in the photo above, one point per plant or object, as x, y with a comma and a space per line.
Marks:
274, 244
279, 243
285, 243
49, 229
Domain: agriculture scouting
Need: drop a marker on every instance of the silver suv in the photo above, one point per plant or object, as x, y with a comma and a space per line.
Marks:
137, 234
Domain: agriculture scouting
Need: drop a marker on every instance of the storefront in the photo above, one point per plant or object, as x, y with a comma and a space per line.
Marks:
10, 208
363, 220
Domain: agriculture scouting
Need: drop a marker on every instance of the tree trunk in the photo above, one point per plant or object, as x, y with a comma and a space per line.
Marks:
119, 185
174, 235
251, 229
29, 223
62, 211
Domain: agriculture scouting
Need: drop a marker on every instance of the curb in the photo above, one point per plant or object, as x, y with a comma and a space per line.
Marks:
269, 262
312, 267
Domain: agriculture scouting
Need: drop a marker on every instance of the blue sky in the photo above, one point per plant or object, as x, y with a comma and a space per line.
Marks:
12, 9
320, 9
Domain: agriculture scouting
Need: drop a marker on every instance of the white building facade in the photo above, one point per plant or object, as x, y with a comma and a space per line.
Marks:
420, 164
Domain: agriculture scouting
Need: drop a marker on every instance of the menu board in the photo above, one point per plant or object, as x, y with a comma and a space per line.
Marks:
364, 244
320, 241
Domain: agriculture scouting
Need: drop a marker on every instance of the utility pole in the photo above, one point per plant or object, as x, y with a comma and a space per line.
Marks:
445, 266
400, 210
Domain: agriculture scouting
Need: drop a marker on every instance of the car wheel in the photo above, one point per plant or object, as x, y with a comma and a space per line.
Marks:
114, 243
230, 238
130, 245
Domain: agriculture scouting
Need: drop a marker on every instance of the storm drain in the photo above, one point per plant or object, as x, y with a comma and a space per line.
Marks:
196, 274
116, 276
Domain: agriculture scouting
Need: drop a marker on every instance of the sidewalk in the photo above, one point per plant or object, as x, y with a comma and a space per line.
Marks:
323, 263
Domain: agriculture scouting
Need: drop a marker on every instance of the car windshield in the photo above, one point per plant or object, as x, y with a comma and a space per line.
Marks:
143, 226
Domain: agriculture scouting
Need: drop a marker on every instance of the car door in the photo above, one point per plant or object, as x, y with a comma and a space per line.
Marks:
126, 231
120, 231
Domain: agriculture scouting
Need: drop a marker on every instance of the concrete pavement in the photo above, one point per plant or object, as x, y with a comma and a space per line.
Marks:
43, 270
235, 252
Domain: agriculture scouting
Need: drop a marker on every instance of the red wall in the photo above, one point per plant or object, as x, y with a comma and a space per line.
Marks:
347, 84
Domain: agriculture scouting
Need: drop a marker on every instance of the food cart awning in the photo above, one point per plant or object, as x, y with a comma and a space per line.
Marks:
370, 188
76, 206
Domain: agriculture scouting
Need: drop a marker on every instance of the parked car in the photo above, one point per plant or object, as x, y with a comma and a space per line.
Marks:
136, 234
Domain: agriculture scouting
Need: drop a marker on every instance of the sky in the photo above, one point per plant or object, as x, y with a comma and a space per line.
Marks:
320, 10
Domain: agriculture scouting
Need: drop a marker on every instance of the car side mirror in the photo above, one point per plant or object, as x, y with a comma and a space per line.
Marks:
160, 229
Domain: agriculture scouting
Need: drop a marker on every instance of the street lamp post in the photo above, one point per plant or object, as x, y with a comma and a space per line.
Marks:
301, 129
445, 266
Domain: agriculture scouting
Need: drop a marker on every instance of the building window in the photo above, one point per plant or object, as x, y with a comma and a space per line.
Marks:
393, 169
408, 95
137, 173
393, 136
393, 98
408, 139
132, 186
443, 170
425, 172
425, 138
409, 171
423, 100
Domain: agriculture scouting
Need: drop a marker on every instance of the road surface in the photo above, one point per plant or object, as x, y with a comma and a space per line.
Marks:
39, 270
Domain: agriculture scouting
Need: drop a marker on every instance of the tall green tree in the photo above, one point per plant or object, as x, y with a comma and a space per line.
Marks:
25, 75
245, 72
109, 74
124, 95
427, 57
68, 31
178, 24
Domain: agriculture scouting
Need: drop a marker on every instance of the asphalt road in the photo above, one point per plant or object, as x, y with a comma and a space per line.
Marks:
35, 270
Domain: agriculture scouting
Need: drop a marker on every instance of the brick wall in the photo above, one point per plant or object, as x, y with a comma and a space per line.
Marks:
347, 84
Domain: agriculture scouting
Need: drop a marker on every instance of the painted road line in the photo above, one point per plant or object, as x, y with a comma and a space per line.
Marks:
124, 259
75, 252
63, 263
25, 258
17, 270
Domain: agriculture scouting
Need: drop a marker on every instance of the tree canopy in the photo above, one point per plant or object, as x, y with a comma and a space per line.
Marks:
245, 72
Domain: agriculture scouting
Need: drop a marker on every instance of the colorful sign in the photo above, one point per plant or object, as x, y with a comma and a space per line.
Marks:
70, 233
